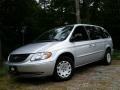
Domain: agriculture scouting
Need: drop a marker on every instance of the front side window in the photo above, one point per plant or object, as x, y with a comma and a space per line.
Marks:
79, 34
57, 34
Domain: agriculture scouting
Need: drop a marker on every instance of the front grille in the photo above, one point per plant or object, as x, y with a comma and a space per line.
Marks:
18, 58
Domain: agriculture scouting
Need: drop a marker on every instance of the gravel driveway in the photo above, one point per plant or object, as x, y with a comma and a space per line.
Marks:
89, 77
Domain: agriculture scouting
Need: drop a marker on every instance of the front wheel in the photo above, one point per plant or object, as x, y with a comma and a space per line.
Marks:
64, 68
107, 58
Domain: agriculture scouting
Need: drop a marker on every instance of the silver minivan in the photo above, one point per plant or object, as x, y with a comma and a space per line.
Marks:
59, 51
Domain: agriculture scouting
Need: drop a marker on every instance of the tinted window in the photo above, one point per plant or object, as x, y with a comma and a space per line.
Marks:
95, 32
79, 34
100, 32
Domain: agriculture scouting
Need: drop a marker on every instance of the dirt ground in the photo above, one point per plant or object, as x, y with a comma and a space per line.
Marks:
90, 77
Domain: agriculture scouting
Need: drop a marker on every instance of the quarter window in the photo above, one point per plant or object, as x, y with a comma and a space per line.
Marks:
106, 33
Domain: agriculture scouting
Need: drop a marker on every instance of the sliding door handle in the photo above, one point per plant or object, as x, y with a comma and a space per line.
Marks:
92, 45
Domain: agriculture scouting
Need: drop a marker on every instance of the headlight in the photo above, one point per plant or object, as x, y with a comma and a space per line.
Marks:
41, 56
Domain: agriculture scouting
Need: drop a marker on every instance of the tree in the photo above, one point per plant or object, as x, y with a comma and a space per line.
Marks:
111, 19
63, 11
15, 14
0, 50
77, 2
1, 59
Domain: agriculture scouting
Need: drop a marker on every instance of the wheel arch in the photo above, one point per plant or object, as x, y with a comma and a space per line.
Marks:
108, 48
68, 54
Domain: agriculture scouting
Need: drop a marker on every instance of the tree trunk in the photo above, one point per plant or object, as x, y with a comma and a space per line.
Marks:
0, 51
77, 5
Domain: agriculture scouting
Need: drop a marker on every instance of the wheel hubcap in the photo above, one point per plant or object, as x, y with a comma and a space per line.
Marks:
108, 57
64, 69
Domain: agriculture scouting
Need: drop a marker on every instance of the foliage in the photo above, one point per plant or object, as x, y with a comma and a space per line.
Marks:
116, 55
111, 20
3, 71
35, 18
14, 15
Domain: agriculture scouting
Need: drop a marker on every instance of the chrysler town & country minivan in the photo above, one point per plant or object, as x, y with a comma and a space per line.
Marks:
59, 51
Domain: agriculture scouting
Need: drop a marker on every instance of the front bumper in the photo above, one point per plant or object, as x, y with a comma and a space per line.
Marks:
32, 69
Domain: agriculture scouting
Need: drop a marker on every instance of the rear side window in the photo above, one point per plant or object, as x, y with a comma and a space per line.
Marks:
95, 32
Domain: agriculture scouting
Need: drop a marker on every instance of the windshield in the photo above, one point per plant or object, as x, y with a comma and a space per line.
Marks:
56, 34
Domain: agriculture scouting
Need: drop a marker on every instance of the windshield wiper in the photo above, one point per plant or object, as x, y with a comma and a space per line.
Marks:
46, 41
56, 40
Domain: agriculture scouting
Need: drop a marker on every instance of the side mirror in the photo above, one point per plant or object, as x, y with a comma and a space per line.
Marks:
72, 39
77, 38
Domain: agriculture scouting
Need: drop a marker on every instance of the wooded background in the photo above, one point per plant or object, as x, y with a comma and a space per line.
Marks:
21, 21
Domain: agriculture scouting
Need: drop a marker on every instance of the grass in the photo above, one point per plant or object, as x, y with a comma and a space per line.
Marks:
3, 71
116, 55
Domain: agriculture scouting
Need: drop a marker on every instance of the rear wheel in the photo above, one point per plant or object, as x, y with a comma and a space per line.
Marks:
107, 58
64, 68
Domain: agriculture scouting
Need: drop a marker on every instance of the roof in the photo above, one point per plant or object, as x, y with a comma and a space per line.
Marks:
84, 25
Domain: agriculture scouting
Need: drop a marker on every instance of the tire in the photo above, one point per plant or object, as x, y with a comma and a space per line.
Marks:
63, 69
107, 58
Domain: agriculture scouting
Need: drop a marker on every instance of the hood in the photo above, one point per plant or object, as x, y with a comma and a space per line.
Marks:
33, 48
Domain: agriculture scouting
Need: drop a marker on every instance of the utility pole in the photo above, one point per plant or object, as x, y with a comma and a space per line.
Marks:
77, 6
